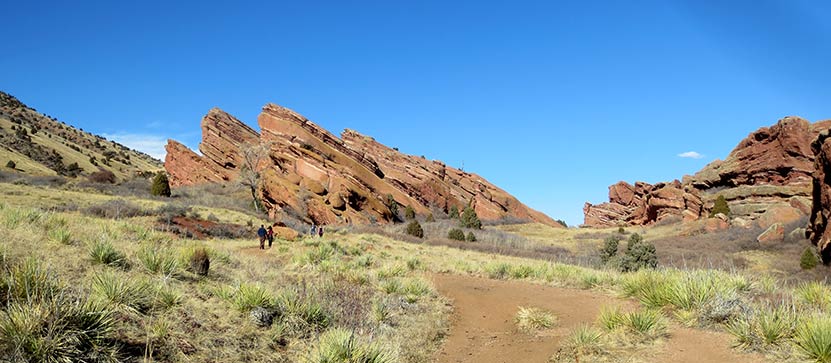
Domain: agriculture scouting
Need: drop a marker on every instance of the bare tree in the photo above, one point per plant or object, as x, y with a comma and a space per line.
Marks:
253, 155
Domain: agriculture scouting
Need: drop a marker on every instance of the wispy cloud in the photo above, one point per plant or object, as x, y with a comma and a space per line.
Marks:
152, 145
690, 155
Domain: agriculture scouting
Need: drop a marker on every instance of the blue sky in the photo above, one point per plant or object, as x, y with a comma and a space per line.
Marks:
552, 100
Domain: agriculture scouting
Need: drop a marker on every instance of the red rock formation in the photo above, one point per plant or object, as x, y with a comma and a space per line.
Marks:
643, 204
818, 230
313, 174
770, 168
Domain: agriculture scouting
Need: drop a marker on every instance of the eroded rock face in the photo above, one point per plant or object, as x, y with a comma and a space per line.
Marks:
818, 230
644, 203
769, 169
314, 175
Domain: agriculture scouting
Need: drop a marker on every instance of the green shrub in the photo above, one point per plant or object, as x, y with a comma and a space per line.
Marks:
609, 250
414, 229
471, 237
453, 213
469, 219
409, 213
160, 186
11, 164
720, 206
393, 207
809, 259
456, 234
342, 346
639, 254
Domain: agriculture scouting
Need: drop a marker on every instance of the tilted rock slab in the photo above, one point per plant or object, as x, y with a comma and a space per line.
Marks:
770, 168
314, 175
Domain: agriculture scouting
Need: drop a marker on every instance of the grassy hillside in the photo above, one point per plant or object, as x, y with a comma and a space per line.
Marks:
41, 145
94, 277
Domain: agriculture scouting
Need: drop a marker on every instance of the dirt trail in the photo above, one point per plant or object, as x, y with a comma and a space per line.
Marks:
483, 329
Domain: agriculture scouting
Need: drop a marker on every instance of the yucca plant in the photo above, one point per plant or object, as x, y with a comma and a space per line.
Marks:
131, 295
814, 294
301, 315
103, 252
250, 296
813, 338
611, 318
157, 260
648, 323
776, 324
60, 235
342, 346
743, 330
530, 319
585, 340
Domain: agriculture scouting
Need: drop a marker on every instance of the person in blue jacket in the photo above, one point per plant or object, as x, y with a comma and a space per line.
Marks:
262, 233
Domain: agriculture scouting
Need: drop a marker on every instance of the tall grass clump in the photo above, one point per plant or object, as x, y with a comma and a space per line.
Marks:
530, 319
611, 318
200, 261
584, 341
776, 324
103, 252
342, 346
499, 270
813, 338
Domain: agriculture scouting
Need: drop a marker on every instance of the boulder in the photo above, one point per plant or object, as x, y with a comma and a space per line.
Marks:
715, 225
774, 234
783, 214
285, 233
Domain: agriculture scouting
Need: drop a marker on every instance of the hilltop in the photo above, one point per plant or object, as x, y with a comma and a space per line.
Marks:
37, 144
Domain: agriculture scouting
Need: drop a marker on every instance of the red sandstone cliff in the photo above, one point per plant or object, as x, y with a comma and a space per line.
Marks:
766, 172
313, 174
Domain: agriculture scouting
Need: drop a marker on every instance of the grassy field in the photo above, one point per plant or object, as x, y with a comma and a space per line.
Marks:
86, 288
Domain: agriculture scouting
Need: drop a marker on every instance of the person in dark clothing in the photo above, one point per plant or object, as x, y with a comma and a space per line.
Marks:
320, 231
270, 235
262, 234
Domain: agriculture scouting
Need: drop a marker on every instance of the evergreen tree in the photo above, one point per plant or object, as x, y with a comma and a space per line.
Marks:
414, 229
160, 186
720, 206
409, 213
469, 219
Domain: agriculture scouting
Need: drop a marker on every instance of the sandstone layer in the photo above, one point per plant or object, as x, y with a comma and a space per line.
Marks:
770, 169
311, 174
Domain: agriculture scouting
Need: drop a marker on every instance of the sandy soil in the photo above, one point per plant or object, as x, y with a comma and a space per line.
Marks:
483, 328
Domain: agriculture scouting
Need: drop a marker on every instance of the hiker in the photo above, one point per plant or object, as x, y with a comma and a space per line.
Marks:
320, 231
270, 235
313, 231
262, 233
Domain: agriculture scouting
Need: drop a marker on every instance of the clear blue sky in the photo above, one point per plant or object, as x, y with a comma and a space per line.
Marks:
551, 100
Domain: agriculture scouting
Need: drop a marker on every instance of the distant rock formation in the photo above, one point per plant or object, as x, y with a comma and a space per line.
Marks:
770, 168
818, 230
314, 175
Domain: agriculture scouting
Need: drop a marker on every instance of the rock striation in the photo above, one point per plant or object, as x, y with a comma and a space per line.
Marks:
311, 174
769, 169
818, 230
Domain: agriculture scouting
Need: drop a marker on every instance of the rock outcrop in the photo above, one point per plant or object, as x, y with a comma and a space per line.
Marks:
818, 230
644, 203
769, 169
311, 174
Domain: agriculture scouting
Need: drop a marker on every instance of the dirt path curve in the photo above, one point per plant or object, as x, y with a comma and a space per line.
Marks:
483, 329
